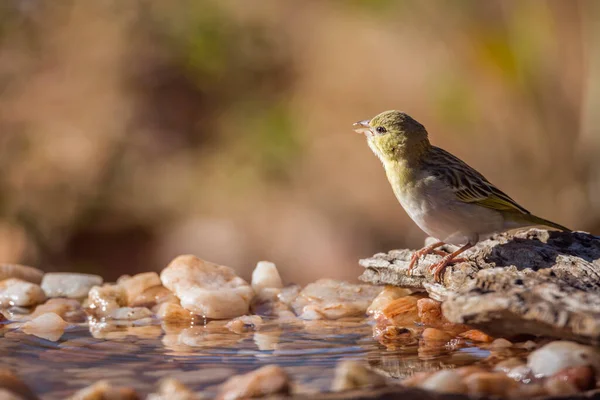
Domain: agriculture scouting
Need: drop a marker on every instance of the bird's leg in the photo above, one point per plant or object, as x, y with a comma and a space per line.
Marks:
437, 268
425, 250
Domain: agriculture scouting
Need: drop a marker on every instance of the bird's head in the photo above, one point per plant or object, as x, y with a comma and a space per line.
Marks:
394, 135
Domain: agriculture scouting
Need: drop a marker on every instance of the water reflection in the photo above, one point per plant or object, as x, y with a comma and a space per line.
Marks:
203, 356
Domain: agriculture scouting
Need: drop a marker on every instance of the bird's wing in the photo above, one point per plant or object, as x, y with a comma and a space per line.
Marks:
468, 185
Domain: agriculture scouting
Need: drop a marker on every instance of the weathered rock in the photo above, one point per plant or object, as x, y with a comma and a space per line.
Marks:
17, 292
67, 284
22, 272
49, 326
173, 313
383, 299
207, 289
268, 380
331, 299
535, 281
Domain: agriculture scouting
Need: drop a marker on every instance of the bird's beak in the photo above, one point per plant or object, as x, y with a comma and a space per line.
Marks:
362, 126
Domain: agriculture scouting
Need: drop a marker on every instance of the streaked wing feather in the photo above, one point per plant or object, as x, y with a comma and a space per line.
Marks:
468, 184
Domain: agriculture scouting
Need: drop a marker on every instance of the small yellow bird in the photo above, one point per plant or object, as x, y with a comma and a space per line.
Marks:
446, 198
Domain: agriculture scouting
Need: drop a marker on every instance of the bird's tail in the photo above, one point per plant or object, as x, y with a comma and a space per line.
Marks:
532, 220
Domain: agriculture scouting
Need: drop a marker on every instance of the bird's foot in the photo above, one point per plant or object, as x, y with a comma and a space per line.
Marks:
451, 258
422, 252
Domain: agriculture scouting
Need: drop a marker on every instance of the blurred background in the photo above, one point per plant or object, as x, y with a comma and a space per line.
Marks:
134, 131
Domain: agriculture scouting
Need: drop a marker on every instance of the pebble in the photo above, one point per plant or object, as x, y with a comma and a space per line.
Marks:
265, 276
153, 297
489, 383
401, 312
436, 335
71, 285
332, 299
137, 284
173, 313
49, 326
105, 299
582, 377
207, 289
429, 312
444, 381
476, 335
17, 292
561, 354
102, 390
68, 309
245, 323
130, 313
501, 343
22, 272
268, 380
172, 389
12, 384
354, 375
383, 299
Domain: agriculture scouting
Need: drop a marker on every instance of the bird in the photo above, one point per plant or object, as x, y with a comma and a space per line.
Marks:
445, 197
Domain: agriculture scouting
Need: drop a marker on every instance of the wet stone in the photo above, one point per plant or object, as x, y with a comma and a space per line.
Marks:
49, 326
354, 375
20, 293
71, 285
331, 299
207, 289
23, 272
12, 384
268, 380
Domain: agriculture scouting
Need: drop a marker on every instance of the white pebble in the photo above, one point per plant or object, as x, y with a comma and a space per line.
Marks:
265, 275
71, 285
561, 354
207, 289
48, 326
16, 292
445, 381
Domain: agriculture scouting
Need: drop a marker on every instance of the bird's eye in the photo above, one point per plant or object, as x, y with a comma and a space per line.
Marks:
381, 129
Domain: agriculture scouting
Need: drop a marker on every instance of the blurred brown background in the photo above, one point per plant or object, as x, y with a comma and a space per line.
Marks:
133, 131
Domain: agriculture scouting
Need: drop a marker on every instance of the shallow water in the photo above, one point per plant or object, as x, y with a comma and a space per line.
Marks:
204, 356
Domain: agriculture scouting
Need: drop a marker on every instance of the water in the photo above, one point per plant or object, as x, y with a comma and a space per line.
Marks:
203, 357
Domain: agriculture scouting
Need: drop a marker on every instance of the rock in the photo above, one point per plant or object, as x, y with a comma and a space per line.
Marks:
23, 272
207, 289
265, 275
173, 313
444, 381
501, 343
71, 285
105, 299
531, 282
172, 389
489, 383
129, 313
153, 296
268, 380
17, 292
476, 336
49, 326
383, 299
582, 378
68, 309
354, 375
244, 323
436, 335
268, 303
331, 299
102, 390
12, 384
137, 284
559, 355
400, 312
